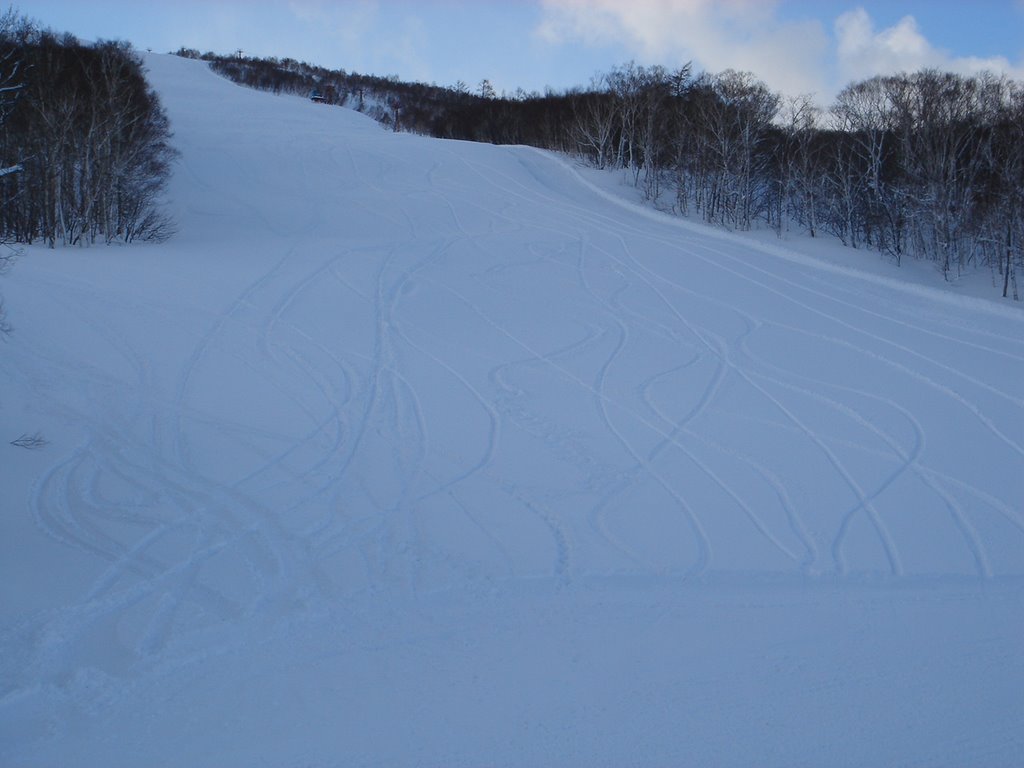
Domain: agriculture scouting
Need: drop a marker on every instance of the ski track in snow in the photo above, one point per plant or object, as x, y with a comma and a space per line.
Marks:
502, 380
722, 259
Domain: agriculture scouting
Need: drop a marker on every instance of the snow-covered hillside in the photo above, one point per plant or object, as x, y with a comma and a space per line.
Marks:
417, 453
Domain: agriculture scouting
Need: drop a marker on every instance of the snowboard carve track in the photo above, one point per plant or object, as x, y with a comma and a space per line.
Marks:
908, 460
621, 226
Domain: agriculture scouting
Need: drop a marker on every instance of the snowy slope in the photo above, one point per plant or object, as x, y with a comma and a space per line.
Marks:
410, 452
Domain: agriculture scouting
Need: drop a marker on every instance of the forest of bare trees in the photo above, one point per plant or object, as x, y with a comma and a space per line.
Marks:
928, 165
85, 147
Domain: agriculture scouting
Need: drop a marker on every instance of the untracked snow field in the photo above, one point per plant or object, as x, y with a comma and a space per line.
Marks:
405, 452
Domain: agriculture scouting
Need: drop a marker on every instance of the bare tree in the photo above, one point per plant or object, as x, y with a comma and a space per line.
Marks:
943, 119
733, 116
800, 164
11, 87
865, 114
1002, 235
593, 125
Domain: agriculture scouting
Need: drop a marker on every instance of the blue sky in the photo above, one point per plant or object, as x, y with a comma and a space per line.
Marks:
796, 46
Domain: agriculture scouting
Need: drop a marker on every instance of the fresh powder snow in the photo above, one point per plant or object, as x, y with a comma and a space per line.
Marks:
406, 452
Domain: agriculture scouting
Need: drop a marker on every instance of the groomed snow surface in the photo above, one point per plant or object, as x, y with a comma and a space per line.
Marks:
406, 452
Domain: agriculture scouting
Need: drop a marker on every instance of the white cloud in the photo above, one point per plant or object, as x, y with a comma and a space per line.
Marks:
863, 52
790, 56
715, 34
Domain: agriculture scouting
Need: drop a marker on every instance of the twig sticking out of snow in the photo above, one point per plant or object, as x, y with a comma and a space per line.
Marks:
30, 442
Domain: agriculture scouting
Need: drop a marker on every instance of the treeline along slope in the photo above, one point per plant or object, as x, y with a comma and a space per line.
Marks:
928, 165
